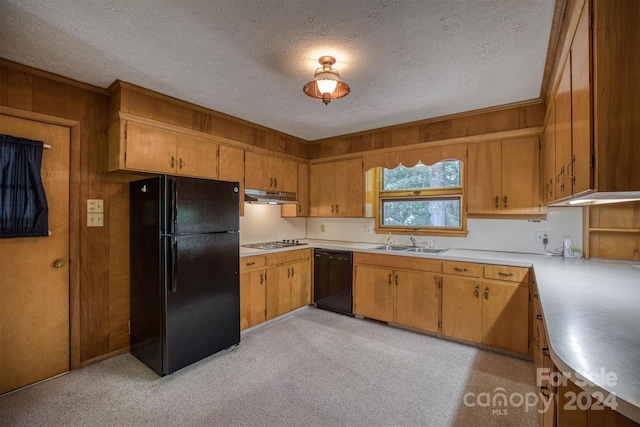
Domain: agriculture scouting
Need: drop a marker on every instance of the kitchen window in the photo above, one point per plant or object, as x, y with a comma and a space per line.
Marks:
423, 199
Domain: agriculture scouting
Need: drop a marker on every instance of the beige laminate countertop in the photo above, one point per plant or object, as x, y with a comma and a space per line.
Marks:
591, 311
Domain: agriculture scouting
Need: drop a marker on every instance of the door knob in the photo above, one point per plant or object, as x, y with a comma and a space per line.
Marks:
58, 263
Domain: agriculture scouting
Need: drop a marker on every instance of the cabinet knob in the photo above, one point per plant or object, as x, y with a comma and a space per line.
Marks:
270, 182
173, 162
275, 182
497, 202
180, 163
261, 278
292, 271
396, 280
477, 291
486, 293
460, 270
337, 208
505, 202
389, 278
500, 273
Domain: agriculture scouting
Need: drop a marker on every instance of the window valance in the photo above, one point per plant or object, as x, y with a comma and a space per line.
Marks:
409, 158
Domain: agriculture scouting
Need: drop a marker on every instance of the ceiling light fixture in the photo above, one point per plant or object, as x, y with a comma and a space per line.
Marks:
326, 84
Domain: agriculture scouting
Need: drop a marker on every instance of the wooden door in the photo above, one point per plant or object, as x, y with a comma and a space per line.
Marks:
563, 132
462, 308
484, 177
505, 312
348, 188
521, 176
150, 149
300, 284
373, 293
231, 168
416, 300
278, 291
549, 157
253, 298
581, 106
197, 157
321, 181
34, 295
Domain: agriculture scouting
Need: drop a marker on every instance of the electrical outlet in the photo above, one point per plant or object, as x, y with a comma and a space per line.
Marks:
541, 235
367, 230
322, 228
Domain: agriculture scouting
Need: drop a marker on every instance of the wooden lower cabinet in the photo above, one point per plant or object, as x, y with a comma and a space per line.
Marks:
491, 312
272, 285
288, 281
404, 297
253, 291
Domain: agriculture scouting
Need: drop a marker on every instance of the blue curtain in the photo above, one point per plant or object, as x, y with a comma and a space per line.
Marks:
23, 204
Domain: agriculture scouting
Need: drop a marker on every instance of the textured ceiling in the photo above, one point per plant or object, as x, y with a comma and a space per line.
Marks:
404, 60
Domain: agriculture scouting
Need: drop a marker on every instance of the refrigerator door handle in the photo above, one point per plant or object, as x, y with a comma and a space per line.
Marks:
174, 204
174, 266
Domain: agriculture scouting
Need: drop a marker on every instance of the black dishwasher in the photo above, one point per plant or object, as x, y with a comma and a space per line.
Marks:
332, 278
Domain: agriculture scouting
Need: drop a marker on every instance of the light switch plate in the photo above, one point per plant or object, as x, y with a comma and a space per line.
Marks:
95, 205
95, 220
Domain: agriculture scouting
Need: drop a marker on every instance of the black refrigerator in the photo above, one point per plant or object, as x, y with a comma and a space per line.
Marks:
185, 289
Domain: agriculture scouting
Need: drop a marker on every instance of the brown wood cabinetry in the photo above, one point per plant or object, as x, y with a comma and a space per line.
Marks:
253, 291
269, 173
385, 290
478, 308
548, 160
146, 148
302, 208
503, 177
336, 189
596, 115
231, 168
289, 284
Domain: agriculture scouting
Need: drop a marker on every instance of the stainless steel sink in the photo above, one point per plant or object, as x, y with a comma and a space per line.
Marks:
391, 248
426, 250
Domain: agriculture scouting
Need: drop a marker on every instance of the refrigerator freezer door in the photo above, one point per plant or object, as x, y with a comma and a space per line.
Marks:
203, 314
198, 206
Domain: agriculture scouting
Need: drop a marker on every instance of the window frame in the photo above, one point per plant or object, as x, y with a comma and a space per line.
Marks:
419, 194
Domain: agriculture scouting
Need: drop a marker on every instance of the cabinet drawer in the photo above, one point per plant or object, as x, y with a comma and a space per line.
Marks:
288, 256
502, 272
251, 262
395, 261
462, 268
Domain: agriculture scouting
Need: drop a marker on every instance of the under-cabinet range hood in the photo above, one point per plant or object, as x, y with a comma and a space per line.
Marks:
600, 198
269, 197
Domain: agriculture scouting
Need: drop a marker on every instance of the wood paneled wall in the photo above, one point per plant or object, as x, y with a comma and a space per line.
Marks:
142, 102
100, 265
524, 115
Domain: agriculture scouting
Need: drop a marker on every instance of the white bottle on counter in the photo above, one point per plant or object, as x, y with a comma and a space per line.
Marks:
567, 248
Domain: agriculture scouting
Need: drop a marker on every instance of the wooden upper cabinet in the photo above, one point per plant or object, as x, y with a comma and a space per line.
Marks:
548, 168
580, 169
336, 189
503, 177
301, 209
147, 148
270, 173
563, 133
231, 168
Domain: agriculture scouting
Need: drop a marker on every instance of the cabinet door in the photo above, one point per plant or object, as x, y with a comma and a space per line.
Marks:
231, 168
462, 308
150, 149
348, 188
581, 107
257, 172
278, 291
285, 175
416, 300
253, 298
197, 157
484, 181
549, 157
373, 293
321, 189
302, 208
505, 309
300, 284
563, 132
521, 176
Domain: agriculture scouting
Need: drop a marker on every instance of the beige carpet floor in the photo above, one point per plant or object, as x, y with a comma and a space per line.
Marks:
311, 368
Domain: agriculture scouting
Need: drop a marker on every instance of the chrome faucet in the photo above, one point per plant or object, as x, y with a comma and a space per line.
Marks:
414, 242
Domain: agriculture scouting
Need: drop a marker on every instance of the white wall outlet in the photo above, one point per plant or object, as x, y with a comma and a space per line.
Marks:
541, 235
367, 230
322, 228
